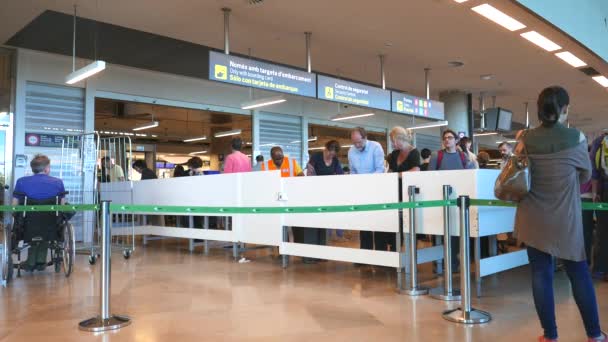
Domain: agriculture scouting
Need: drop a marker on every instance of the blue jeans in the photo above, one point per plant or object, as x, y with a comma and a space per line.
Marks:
582, 288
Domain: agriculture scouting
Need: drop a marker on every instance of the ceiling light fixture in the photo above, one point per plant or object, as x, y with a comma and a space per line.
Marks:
602, 80
498, 17
87, 71
267, 101
198, 152
485, 134
571, 59
146, 126
195, 139
506, 141
227, 133
341, 117
486, 77
541, 41
461, 1
429, 125
311, 139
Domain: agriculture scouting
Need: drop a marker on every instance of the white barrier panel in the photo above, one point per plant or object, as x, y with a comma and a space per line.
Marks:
259, 189
117, 192
344, 190
478, 184
361, 256
186, 233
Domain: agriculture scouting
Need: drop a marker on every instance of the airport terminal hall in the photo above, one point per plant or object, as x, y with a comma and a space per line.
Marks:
281, 170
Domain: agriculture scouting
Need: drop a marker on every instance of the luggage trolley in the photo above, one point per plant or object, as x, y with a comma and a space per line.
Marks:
115, 156
78, 170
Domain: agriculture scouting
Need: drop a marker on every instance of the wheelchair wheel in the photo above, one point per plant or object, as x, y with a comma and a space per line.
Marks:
69, 249
7, 255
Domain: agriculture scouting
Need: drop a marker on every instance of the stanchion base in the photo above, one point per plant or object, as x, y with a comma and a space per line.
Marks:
97, 324
474, 317
418, 291
439, 293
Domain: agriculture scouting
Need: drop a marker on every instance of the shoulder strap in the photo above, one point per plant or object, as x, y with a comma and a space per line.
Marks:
463, 159
439, 159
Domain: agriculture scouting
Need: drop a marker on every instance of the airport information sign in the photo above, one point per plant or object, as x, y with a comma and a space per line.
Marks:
267, 76
337, 90
417, 106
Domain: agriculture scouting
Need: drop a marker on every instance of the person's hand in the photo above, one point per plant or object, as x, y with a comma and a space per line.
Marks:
596, 198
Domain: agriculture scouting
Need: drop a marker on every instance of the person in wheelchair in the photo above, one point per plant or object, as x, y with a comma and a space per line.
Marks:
39, 188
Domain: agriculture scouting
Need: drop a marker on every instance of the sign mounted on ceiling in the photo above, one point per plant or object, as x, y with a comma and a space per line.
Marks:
252, 73
417, 106
337, 90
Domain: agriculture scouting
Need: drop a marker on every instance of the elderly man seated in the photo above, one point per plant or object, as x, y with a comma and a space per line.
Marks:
38, 186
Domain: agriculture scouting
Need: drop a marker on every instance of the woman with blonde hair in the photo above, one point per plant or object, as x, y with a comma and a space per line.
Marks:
404, 158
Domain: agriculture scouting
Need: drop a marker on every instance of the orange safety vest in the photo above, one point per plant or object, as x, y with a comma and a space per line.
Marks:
287, 169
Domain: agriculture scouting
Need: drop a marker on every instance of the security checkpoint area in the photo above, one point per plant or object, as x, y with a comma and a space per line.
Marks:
238, 170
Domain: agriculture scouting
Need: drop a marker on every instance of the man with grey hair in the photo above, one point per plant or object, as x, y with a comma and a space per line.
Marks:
506, 151
38, 186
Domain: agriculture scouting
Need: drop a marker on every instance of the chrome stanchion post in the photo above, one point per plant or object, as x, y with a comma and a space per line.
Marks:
398, 249
414, 289
465, 313
105, 321
446, 292
285, 257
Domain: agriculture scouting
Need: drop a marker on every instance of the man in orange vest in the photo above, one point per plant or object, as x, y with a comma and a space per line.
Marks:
279, 162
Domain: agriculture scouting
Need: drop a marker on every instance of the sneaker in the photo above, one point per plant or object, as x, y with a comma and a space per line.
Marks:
544, 339
601, 338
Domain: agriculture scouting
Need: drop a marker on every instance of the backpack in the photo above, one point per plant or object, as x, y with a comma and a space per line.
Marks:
600, 156
463, 159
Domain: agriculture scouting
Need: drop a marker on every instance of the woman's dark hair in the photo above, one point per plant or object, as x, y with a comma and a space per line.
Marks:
425, 153
332, 145
195, 163
236, 143
463, 143
179, 171
140, 164
551, 102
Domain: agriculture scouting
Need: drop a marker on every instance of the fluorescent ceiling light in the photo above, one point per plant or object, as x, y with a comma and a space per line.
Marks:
461, 1
429, 125
571, 59
309, 140
541, 41
484, 134
227, 133
323, 147
146, 126
498, 17
601, 80
198, 152
350, 116
85, 72
507, 141
268, 101
195, 139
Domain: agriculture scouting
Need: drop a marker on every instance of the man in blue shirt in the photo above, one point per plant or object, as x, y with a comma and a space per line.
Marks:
39, 186
365, 157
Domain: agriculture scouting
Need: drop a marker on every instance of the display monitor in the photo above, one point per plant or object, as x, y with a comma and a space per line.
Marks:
498, 119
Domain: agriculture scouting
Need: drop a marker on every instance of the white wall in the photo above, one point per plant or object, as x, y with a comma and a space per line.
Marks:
132, 84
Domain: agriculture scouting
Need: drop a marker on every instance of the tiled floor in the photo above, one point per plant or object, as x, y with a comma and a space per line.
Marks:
173, 295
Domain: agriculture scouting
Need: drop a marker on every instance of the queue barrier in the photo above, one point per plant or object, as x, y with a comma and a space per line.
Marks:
464, 314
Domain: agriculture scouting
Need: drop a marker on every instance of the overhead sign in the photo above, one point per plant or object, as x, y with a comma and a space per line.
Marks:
337, 90
252, 73
417, 106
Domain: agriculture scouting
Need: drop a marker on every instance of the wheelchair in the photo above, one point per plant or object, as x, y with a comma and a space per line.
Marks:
31, 228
